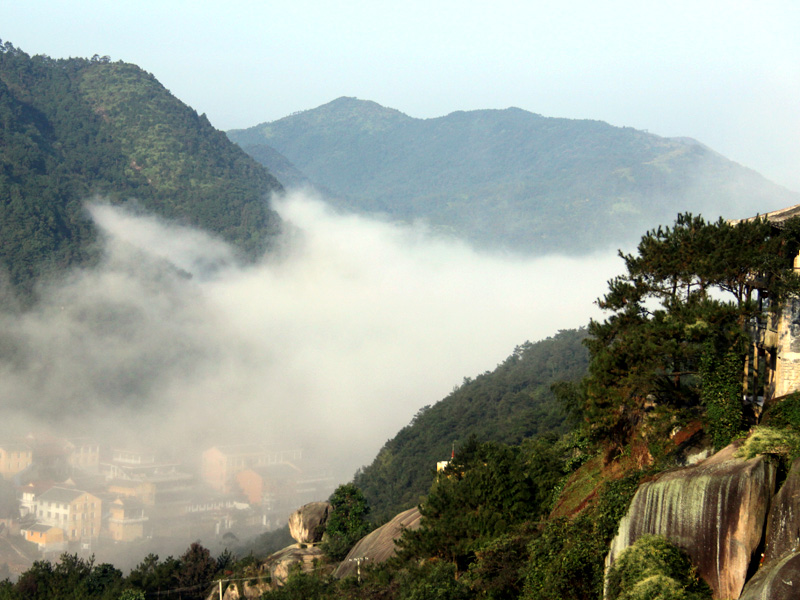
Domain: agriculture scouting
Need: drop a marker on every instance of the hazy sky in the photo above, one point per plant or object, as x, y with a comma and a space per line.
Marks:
724, 72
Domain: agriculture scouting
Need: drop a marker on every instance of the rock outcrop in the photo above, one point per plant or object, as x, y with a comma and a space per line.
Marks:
378, 546
241, 590
283, 562
777, 580
714, 510
783, 522
307, 523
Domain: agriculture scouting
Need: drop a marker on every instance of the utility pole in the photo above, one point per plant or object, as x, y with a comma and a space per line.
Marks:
358, 562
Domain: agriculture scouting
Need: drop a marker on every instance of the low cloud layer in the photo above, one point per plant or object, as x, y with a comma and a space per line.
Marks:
332, 347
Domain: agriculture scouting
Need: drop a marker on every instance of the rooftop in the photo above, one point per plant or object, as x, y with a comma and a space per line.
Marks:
60, 494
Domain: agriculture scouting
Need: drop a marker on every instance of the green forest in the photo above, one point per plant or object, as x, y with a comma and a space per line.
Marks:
78, 130
510, 404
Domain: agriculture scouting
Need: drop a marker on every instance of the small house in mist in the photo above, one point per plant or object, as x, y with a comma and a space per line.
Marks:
271, 489
83, 454
220, 464
48, 538
14, 458
126, 520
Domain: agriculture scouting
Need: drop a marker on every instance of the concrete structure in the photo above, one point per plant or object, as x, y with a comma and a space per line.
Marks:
269, 486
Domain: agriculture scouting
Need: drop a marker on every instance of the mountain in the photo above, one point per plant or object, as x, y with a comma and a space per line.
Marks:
511, 178
507, 405
75, 130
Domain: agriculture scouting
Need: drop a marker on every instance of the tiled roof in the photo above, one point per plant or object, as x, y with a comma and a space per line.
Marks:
240, 449
14, 446
60, 494
40, 528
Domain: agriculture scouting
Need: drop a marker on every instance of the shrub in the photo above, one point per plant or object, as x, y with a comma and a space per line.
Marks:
653, 568
770, 440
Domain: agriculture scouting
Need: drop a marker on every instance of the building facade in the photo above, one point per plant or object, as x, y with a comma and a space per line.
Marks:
78, 513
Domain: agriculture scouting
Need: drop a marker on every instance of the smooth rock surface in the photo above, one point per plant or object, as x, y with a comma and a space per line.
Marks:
282, 563
379, 545
714, 510
777, 580
307, 523
783, 522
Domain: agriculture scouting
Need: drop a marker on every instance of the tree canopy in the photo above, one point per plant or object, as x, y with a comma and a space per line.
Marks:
78, 130
509, 404
691, 289
347, 522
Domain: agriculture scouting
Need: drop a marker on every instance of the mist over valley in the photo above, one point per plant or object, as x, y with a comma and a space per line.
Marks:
330, 346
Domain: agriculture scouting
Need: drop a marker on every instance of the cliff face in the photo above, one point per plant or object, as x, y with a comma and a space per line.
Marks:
715, 510
778, 576
783, 523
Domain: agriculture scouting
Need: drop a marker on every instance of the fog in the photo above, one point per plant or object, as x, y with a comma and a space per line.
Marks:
330, 344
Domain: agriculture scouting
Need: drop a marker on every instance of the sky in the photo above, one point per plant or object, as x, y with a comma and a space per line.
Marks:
725, 72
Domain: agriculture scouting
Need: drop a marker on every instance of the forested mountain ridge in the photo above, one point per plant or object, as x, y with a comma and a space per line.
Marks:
76, 129
511, 178
512, 403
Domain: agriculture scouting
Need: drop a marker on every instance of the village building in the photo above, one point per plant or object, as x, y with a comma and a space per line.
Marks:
220, 464
77, 512
126, 520
142, 490
48, 538
83, 454
14, 458
268, 486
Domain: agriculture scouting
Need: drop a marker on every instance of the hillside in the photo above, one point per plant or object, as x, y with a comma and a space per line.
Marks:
511, 178
507, 405
75, 130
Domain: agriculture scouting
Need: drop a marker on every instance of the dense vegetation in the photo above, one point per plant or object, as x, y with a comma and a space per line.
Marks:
77, 130
678, 334
188, 576
510, 177
653, 566
347, 522
508, 405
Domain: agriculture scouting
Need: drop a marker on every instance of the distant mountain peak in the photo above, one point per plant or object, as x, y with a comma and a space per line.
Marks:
509, 178
364, 115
